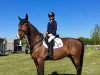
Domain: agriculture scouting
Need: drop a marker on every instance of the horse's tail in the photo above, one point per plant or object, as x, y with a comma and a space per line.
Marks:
81, 55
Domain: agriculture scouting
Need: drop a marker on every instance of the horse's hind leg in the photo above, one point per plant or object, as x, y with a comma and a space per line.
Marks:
76, 62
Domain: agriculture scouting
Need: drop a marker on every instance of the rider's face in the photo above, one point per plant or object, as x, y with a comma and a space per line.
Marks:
51, 17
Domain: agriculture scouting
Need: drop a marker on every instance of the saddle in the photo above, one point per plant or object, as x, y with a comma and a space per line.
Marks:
57, 42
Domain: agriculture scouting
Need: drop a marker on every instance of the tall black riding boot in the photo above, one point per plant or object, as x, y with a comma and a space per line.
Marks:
50, 50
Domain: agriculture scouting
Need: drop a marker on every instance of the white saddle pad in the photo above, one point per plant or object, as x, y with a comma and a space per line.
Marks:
57, 43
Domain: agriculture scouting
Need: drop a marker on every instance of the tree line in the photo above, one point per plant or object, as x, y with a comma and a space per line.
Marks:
95, 37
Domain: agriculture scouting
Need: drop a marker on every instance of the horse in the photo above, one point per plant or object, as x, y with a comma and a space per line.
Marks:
72, 48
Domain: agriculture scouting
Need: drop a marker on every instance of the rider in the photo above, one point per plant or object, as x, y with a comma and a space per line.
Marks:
51, 29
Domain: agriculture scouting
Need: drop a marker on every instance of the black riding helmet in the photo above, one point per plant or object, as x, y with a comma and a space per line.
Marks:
51, 14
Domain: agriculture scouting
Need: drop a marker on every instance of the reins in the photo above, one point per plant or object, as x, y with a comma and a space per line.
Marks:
41, 39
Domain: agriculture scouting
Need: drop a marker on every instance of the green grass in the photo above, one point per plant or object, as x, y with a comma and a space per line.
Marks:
22, 64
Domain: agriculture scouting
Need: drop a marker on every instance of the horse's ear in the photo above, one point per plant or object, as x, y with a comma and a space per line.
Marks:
19, 18
26, 17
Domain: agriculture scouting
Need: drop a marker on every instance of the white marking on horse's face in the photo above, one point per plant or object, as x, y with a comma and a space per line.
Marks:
18, 36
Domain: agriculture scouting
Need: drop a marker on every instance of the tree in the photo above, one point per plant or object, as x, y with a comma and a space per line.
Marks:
95, 35
86, 41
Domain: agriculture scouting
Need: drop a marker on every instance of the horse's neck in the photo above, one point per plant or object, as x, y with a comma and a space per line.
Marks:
33, 34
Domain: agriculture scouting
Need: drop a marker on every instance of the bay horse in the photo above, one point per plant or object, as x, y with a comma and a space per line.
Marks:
72, 48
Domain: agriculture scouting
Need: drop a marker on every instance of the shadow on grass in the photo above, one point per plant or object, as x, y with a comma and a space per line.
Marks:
56, 73
4, 55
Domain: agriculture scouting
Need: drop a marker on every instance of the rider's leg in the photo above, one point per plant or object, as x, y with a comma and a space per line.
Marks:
50, 49
50, 45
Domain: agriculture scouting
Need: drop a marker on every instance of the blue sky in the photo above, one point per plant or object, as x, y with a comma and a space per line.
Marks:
75, 18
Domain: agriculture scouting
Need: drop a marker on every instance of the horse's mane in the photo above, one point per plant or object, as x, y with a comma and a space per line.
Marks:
33, 27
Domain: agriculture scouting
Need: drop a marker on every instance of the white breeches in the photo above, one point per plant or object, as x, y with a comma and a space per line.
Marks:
51, 37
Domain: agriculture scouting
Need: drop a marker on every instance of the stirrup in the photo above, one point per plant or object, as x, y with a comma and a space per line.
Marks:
49, 57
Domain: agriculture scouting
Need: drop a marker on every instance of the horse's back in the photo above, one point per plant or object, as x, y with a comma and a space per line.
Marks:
74, 45
71, 40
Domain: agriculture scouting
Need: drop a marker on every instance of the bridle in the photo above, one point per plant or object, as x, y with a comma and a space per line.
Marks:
28, 37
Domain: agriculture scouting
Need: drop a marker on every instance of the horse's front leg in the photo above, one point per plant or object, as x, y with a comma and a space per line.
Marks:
39, 66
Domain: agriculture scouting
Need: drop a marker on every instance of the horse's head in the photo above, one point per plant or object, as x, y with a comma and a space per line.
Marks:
23, 25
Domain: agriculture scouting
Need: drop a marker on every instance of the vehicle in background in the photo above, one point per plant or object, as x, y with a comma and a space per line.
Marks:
3, 46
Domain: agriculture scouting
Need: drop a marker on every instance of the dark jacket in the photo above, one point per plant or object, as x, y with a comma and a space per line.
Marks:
52, 27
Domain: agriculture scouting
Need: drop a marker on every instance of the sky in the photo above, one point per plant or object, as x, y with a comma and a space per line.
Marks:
75, 18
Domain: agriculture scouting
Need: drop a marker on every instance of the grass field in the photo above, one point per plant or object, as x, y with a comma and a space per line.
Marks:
22, 64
